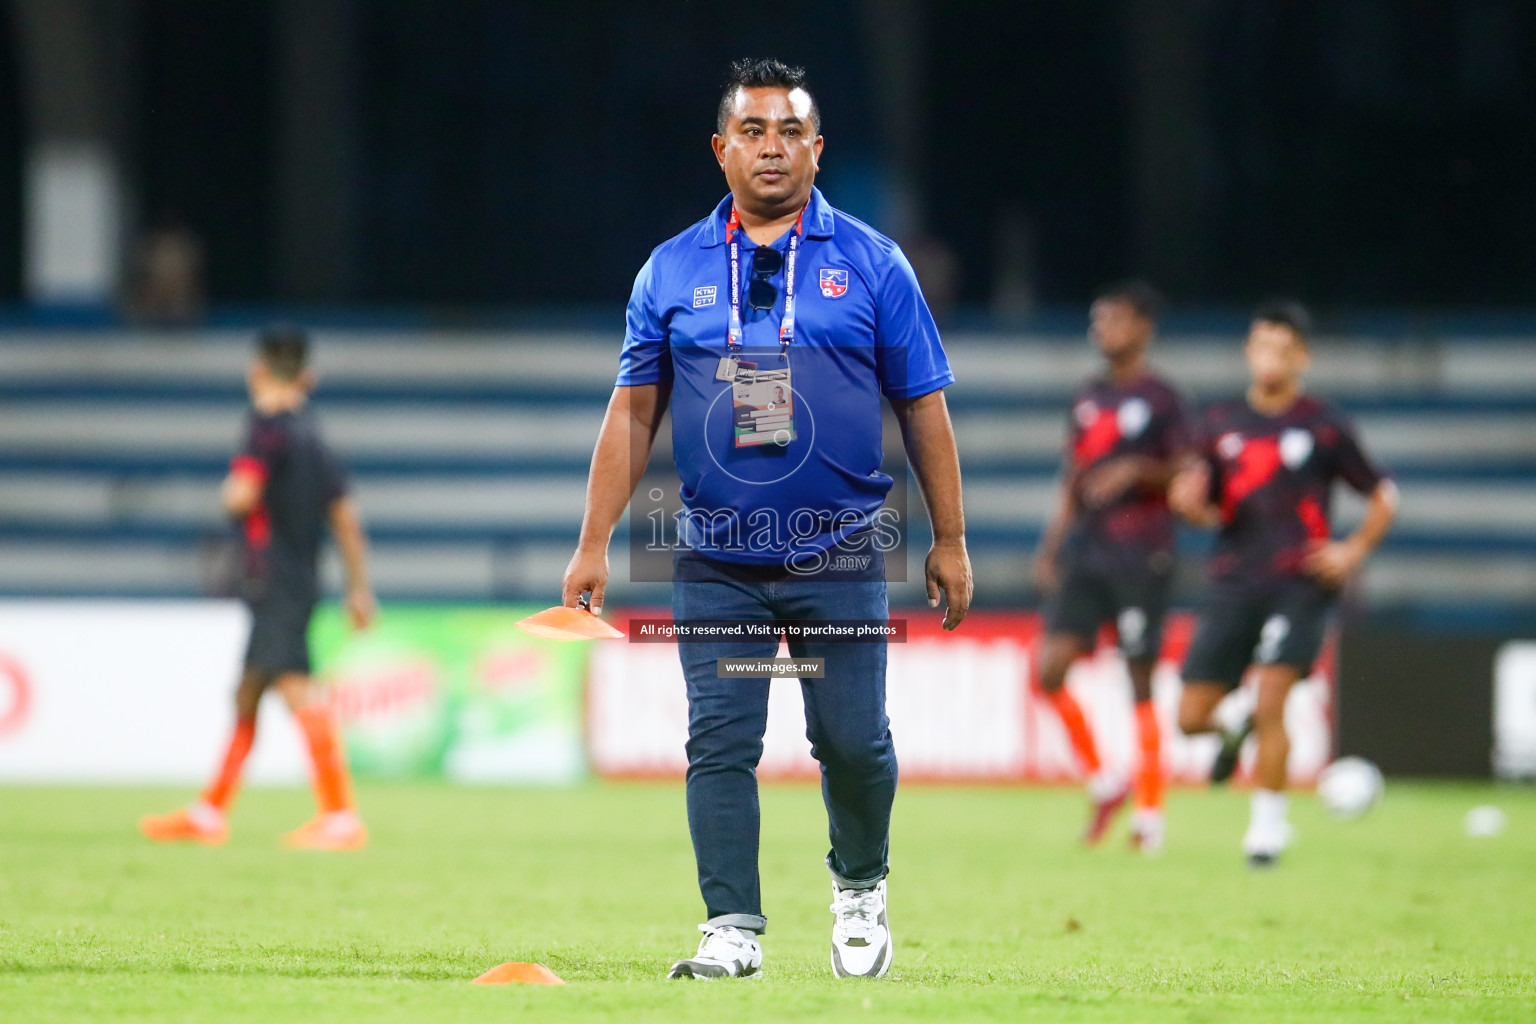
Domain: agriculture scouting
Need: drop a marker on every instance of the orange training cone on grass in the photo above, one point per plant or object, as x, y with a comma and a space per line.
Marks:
514, 974
562, 623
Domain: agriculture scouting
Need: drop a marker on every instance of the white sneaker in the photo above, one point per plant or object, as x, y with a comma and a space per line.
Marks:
1107, 792
1148, 830
1264, 842
861, 936
1269, 833
724, 952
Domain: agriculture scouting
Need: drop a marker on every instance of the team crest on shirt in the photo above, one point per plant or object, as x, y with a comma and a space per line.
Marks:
1086, 412
1133, 417
704, 295
1230, 446
834, 282
1295, 447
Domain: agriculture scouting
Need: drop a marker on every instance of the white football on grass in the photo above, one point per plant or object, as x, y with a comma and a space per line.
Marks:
1349, 787
1485, 821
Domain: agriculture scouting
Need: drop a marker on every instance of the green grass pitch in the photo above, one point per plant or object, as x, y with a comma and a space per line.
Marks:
997, 913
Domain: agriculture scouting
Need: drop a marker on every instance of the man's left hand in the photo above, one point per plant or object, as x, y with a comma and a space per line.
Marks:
948, 568
361, 607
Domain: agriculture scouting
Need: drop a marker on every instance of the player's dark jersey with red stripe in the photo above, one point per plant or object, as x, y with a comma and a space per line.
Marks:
283, 533
1144, 417
1272, 479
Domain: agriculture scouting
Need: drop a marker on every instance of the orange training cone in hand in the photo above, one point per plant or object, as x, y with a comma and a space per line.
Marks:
514, 973
562, 623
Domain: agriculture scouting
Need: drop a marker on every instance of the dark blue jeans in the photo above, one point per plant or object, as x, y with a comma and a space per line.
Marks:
844, 720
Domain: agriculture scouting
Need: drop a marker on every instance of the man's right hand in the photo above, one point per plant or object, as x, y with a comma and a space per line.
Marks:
1188, 495
362, 607
587, 573
1047, 579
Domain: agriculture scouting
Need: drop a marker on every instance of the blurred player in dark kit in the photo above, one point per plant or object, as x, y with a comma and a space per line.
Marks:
285, 487
1107, 553
1265, 478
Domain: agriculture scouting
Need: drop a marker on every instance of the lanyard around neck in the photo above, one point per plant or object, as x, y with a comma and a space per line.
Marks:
735, 334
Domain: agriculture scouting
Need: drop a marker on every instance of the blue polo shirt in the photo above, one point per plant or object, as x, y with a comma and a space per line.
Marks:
862, 329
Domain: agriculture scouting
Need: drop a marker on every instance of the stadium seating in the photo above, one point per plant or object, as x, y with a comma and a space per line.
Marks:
469, 454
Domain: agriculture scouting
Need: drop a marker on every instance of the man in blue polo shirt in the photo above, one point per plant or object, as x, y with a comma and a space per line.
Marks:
772, 328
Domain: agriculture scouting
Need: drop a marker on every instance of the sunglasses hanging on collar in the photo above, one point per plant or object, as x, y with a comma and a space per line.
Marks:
761, 293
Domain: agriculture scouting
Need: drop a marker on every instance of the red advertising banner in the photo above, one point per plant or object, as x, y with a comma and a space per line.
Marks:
963, 707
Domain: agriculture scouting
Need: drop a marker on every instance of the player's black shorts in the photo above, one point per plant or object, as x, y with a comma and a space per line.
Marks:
1281, 624
1133, 596
279, 641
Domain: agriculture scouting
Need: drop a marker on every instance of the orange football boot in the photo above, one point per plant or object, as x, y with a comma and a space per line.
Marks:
341, 831
182, 826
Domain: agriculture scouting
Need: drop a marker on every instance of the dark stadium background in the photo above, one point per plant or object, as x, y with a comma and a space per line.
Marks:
484, 154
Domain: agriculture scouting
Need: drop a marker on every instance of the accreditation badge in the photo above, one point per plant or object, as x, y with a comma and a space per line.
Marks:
763, 406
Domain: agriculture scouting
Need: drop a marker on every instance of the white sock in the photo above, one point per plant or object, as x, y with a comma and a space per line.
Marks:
1106, 783
1267, 810
1232, 713
204, 814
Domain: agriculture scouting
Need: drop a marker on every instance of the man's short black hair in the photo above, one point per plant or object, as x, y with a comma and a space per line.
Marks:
1286, 313
1146, 300
284, 350
762, 73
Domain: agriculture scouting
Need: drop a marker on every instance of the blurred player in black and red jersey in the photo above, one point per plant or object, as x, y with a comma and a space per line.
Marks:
1107, 554
284, 487
1265, 479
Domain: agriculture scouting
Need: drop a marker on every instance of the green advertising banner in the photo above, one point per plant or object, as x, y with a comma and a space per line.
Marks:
435, 691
